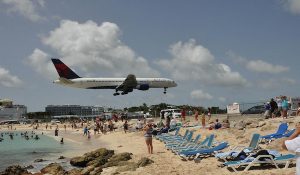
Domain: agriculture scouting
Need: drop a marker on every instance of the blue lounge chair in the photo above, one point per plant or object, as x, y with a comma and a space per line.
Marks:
175, 142
237, 149
164, 139
165, 135
289, 133
251, 161
205, 151
281, 131
206, 143
185, 143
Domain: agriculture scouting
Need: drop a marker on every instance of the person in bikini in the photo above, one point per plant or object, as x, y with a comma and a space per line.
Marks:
148, 137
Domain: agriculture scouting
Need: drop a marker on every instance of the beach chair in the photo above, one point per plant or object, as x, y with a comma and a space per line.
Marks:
235, 150
172, 137
282, 129
268, 159
289, 133
165, 135
206, 143
200, 152
188, 138
185, 144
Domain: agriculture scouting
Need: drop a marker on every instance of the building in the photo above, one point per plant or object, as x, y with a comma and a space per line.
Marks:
58, 110
9, 111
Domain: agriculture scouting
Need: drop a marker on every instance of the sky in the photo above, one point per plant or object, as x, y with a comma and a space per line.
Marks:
218, 52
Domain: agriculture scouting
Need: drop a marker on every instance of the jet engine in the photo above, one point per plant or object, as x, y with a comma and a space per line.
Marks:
143, 87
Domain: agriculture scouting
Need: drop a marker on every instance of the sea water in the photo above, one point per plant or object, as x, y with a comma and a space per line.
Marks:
23, 152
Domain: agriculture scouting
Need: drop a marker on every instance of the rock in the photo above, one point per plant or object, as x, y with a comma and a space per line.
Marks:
38, 160
99, 156
97, 162
87, 170
54, 169
261, 123
144, 162
74, 172
79, 161
15, 170
96, 171
29, 167
118, 158
61, 157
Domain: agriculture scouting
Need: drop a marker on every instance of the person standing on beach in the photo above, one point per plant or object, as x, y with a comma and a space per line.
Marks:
285, 107
203, 120
85, 131
125, 125
279, 104
196, 115
65, 126
183, 114
293, 144
89, 134
274, 108
148, 137
209, 113
56, 131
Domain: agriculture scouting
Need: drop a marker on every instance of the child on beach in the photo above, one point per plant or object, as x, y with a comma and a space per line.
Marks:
125, 125
89, 134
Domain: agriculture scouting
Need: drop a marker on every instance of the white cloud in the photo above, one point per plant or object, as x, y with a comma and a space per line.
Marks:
274, 83
7, 79
26, 8
93, 48
292, 5
264, 67
39, 61
258, 65
200, 95
194, 62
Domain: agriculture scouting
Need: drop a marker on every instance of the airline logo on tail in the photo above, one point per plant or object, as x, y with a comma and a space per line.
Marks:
63, 70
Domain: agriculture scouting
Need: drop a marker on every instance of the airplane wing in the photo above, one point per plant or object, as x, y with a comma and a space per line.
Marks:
127, 86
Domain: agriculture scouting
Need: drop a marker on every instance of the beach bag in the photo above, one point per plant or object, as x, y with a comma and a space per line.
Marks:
262, 152
241, 156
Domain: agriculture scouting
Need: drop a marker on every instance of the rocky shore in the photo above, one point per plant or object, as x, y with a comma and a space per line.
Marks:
91, 163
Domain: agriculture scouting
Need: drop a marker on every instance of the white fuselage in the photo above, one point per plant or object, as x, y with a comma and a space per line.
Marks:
112, 83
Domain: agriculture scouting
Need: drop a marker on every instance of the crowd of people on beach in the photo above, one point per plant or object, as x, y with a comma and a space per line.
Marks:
277, 108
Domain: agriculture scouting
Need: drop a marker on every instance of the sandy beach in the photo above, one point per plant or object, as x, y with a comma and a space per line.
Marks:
165, 162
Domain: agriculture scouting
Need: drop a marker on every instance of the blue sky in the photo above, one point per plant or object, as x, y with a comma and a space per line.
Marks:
218, 52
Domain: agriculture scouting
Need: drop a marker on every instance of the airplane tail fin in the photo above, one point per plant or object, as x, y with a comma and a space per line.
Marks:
63, 70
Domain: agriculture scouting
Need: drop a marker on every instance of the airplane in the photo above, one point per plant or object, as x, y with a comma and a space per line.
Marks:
67, 77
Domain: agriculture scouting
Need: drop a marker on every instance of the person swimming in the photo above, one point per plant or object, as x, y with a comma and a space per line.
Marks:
62, 141
36, 137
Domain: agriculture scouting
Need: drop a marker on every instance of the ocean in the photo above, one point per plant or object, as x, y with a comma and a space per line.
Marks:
23, 152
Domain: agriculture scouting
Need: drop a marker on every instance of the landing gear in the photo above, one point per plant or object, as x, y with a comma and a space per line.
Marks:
165, 90
115, 94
